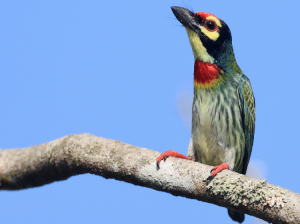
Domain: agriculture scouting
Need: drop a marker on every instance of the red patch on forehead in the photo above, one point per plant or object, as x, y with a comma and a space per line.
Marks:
204, 15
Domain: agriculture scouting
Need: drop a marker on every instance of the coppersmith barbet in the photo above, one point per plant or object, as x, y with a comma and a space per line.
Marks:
223, 113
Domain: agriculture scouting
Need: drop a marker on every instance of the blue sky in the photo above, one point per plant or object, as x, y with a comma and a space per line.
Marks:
115, 69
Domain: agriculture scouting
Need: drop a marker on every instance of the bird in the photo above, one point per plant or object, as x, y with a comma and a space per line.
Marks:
223, 110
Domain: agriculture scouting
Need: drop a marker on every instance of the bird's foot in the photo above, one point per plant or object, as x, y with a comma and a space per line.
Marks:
170, 153
217, 169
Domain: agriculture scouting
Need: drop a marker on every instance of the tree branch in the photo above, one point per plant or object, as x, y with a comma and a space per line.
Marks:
85, 153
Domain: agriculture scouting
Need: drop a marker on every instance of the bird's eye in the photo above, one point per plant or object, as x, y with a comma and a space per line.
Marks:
211, 25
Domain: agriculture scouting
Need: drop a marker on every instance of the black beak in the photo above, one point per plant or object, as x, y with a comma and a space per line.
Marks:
187, 18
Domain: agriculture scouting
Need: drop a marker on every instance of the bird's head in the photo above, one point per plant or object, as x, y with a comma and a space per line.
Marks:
210, 37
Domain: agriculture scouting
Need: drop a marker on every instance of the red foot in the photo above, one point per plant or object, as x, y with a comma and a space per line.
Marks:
217, 169
170, 153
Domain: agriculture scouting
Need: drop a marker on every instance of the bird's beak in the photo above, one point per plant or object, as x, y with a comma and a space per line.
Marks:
186, 18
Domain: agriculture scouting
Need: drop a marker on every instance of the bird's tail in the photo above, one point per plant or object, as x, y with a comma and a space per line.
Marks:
236, 216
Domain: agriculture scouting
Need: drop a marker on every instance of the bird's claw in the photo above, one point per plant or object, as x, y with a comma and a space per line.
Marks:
217, 169
166, 154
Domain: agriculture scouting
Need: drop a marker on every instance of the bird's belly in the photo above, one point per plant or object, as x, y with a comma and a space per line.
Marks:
217, 133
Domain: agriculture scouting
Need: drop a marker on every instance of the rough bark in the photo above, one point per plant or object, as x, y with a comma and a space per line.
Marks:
85, 153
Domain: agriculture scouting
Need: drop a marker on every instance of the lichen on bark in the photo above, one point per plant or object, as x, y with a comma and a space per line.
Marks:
85, 153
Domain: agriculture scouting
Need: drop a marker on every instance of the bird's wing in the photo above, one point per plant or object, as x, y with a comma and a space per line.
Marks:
247, 105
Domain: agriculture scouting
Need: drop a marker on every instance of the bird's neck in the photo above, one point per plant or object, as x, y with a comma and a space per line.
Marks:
226, 59
206, 75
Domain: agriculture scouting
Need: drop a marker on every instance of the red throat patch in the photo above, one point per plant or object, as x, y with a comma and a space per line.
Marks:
205, 72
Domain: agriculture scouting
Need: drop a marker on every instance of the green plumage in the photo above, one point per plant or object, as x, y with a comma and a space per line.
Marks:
247, 105
223, 113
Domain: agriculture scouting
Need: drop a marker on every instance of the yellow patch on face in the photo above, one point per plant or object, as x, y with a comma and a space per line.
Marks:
214, 35
199, 50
